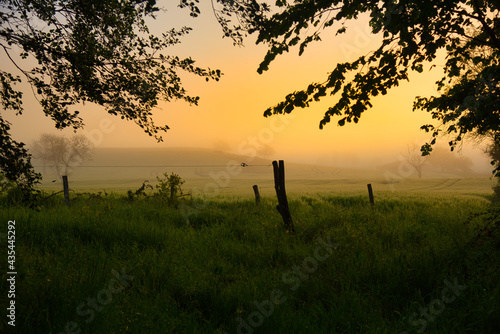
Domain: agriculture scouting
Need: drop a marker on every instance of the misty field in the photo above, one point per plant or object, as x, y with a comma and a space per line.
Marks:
119, 170
414, 263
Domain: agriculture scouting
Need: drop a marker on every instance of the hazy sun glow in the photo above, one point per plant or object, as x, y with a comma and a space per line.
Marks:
230, 114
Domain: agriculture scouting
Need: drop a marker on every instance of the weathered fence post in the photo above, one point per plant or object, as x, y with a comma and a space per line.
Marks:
279, 185
66, 189
370, 194
257, 195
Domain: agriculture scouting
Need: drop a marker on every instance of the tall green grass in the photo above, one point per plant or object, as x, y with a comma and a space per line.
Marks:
214, 273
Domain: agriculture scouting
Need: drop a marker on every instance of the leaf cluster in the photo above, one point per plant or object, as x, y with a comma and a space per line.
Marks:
88, 51
236, 17
413, 34
16, 164
95, 51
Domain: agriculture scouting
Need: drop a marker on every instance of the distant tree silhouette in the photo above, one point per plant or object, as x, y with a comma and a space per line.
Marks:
61, 152
450, 162
414, 157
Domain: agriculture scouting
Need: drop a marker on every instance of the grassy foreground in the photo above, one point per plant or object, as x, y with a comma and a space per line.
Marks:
410, 264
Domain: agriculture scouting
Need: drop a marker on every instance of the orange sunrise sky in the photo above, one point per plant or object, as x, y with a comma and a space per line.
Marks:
230, 113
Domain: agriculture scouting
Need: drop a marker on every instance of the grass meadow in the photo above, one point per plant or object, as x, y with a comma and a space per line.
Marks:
416, 262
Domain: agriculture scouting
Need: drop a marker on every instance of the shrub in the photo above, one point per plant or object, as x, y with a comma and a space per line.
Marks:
13, 193
170, 189
131, 195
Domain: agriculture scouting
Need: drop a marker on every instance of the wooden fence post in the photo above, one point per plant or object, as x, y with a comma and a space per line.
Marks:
66, 189
257, 195
370, 194
279, 185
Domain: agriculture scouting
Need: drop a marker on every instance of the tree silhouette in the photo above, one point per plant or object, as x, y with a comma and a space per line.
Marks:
414, 157
413, 34
61, 152
87, 51
447, 161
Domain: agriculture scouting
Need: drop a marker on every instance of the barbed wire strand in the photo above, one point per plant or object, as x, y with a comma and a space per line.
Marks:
192, 166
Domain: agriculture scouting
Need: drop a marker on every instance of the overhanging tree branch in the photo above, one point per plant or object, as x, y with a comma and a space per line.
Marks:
469, 100
98, 51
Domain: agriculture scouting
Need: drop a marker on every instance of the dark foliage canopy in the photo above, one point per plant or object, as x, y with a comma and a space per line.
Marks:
86, 51
413, 33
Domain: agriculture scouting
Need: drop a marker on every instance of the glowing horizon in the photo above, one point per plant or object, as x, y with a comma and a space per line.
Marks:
230, 112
